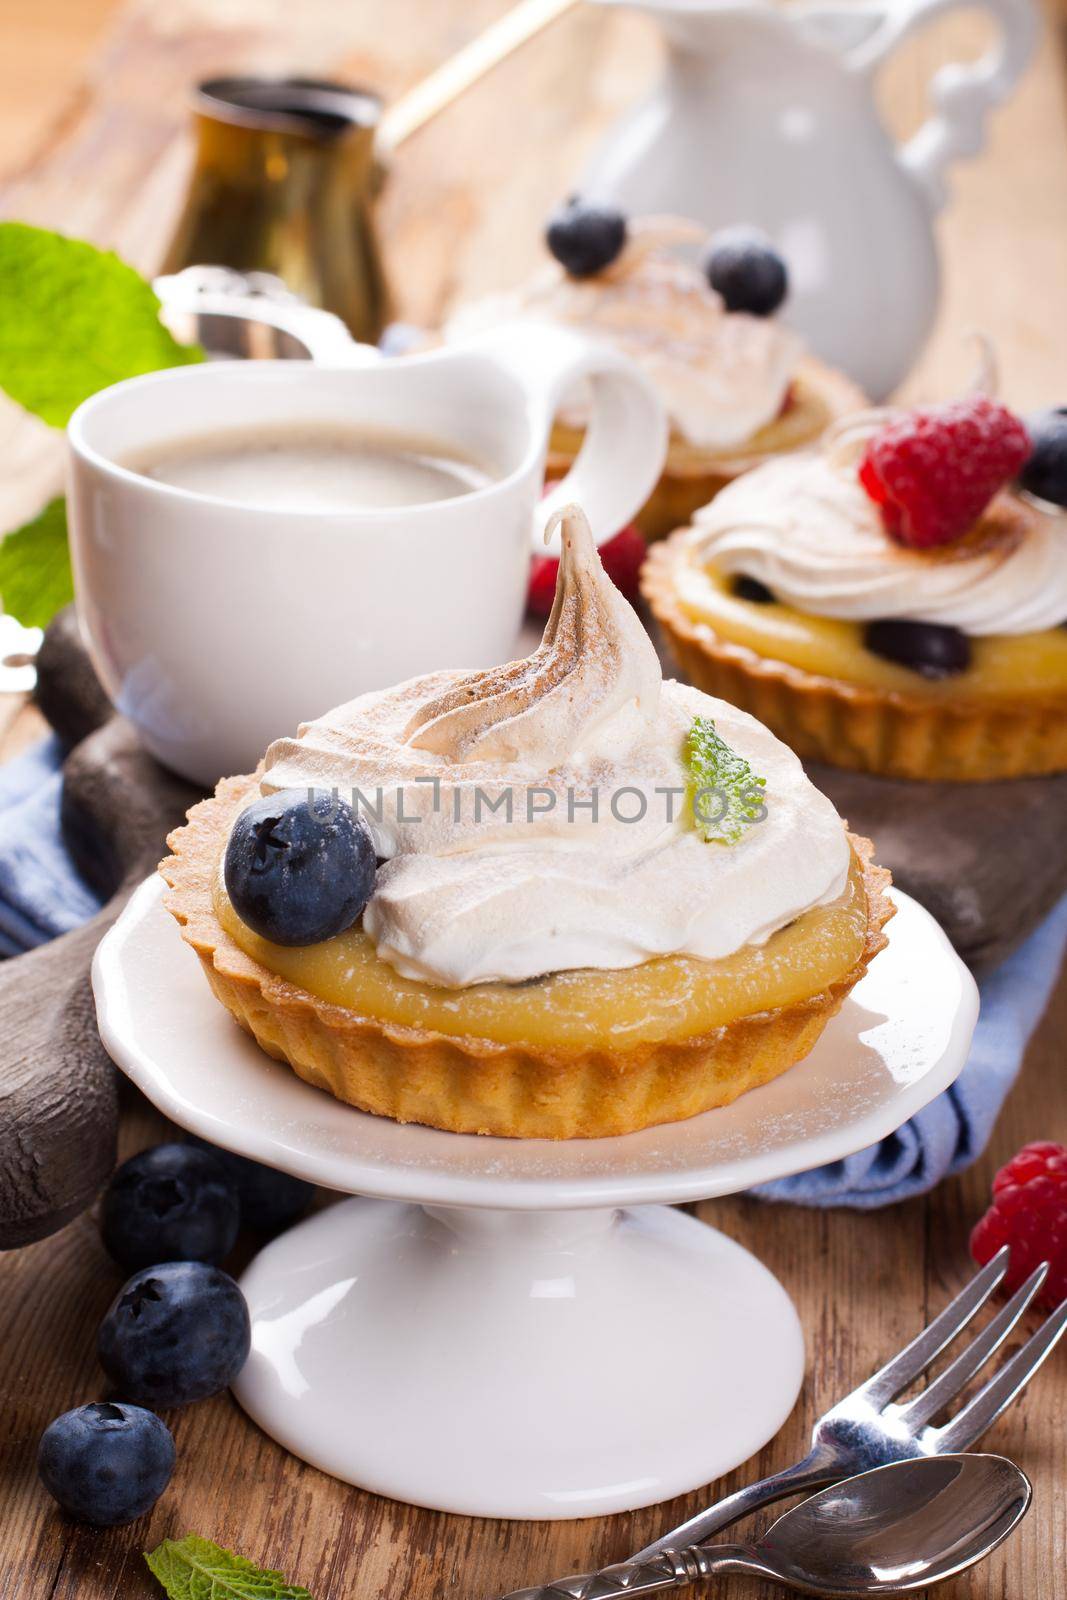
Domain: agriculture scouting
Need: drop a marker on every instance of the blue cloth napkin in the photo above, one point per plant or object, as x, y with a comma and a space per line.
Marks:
42, 895
953, 1130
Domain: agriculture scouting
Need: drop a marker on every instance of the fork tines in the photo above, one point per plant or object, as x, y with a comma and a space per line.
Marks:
982, 1409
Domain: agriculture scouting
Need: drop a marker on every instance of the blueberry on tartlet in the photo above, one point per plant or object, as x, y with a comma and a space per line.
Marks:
752, 590
585, 238
299, 867
1045, 473
744, 268
931, 649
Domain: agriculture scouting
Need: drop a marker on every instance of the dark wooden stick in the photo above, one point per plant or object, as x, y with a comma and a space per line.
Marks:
989, 860
58, 1095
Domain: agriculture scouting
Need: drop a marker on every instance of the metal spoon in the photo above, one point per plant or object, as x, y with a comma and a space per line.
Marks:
890, 1531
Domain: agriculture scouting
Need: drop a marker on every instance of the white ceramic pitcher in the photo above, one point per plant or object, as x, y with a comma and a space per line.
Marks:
766, 115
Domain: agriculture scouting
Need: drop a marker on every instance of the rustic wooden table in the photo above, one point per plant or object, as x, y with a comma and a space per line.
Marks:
96, 149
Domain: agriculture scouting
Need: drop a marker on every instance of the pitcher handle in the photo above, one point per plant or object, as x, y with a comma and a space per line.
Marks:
226, 311
962, 95
625, 442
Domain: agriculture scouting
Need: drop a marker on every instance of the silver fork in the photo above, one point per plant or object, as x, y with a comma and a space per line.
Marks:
865, 1429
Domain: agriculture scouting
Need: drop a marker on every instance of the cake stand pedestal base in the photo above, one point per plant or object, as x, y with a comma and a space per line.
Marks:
518, 1364
521, 1327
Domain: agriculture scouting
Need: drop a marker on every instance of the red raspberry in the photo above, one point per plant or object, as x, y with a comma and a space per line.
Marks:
622, 556
1029, 1213
933, 471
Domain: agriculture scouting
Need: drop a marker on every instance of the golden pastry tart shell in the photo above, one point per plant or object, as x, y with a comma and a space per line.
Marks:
472, 1085
859, 726
693, 477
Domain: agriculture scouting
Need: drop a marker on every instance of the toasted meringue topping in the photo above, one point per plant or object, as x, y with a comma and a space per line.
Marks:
721, 375
594, 660
804, 526
533, 818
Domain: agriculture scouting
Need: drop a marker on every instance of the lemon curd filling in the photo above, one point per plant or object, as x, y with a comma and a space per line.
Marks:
1001, 665
671, 997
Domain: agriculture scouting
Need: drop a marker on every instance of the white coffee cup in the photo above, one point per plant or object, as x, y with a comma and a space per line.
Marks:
217, 627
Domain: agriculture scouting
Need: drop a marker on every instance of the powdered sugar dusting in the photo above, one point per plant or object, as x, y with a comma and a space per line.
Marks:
494, 802
721, 375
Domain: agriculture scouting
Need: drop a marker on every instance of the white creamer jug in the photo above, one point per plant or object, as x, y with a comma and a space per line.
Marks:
766, 115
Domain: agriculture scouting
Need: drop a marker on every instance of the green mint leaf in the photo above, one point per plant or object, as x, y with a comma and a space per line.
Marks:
725, 795
195, 1569
72, 320
35, 576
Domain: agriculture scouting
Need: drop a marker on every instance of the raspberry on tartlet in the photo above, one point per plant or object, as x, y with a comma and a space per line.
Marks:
934, 470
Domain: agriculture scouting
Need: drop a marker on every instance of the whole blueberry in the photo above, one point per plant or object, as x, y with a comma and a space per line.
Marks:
299, 866
1045, 474
745, 269
171, 1203
752, 590
174, 1333
585, 238
106, 1463
270, 1200
929, 648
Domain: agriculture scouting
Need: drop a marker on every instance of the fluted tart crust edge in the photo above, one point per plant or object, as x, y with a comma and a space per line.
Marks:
473, 1085
853, 725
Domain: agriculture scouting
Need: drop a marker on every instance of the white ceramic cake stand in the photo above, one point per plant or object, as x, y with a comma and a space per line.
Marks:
490, 1332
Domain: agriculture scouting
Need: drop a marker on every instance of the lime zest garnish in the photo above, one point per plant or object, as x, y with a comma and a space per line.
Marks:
725, 796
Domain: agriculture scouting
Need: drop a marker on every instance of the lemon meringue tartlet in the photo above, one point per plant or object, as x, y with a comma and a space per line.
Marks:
554, 946
738, 388
788, 596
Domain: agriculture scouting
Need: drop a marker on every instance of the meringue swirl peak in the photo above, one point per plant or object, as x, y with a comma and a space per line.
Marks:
532, 818
594, 660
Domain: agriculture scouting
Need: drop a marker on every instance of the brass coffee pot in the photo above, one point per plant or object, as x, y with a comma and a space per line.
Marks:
284, 182
288, 169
